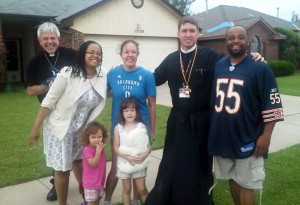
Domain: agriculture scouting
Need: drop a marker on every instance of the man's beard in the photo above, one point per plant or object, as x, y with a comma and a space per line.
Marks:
237, 54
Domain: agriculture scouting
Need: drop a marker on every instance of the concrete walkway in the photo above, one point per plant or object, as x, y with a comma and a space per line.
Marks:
285, 134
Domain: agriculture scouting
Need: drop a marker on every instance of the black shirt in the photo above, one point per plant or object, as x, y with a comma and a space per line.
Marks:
43, 67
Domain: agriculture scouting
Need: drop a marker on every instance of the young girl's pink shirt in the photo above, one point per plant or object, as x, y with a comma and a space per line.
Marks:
93, 177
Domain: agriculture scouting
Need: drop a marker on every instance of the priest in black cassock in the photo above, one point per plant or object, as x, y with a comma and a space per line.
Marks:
185, 171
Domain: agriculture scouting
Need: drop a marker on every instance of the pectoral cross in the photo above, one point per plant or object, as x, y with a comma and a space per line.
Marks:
187, 90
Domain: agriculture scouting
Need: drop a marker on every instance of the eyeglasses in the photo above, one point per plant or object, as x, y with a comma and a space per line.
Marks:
92, 53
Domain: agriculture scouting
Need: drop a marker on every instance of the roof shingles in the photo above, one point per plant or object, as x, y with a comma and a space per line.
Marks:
58, 9
238, 16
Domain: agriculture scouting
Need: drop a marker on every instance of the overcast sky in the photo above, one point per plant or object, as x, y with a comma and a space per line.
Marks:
286, 7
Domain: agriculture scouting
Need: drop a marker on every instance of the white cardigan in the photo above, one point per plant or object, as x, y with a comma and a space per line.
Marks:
62, 99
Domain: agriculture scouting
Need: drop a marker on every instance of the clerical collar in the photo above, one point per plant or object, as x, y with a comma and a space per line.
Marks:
52, 54
190, 50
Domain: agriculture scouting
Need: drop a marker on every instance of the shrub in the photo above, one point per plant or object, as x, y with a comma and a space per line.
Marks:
282, 67
290, 48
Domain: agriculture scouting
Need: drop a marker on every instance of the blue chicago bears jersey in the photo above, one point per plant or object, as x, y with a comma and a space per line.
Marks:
244, 97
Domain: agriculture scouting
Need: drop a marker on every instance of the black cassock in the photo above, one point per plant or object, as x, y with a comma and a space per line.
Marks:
185, 171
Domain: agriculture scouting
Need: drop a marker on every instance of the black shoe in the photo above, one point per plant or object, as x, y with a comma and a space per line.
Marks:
51, 196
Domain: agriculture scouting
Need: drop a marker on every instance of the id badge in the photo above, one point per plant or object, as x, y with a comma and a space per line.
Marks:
183, 93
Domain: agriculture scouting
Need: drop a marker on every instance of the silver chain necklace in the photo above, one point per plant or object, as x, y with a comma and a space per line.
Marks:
49, 60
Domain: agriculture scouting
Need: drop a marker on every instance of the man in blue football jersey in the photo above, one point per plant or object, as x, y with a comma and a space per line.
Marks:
246, 105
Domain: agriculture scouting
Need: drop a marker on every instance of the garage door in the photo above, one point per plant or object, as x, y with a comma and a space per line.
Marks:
152, 50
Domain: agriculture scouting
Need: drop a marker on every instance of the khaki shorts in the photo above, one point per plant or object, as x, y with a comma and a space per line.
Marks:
248, 173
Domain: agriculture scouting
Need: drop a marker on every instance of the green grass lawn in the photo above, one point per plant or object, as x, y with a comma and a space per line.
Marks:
19, 164
290, 85
282, 184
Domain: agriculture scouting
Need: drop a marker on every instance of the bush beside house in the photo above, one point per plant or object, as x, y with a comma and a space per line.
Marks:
290, 49
282, 67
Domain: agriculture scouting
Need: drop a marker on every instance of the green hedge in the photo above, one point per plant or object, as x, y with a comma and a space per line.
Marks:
282, 67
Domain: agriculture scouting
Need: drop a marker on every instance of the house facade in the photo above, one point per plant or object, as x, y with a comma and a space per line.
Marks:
153, 24
154, 27
263, 39
215, 22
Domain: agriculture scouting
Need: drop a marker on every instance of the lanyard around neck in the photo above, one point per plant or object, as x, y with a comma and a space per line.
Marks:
190, 70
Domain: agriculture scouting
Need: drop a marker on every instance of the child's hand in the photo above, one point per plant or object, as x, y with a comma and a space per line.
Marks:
133, 160
100, 147
141, 157
138, 159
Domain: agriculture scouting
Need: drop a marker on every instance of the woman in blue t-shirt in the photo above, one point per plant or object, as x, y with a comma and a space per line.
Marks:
130, 80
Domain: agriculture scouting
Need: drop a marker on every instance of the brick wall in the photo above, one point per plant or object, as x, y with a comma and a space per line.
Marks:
269, 47
78, 39
71, 39
65, 40
218, 45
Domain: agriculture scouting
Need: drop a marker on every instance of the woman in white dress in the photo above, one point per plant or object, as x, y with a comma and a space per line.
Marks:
76, 97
